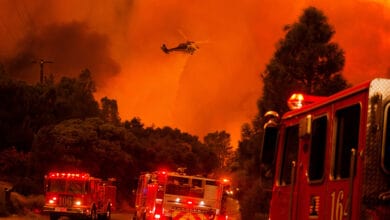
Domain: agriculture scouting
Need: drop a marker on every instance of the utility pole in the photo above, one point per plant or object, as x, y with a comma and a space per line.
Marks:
41, 63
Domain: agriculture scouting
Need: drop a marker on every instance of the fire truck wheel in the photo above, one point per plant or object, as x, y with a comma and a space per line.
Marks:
94, 214
108, 212
136, 215
54, 217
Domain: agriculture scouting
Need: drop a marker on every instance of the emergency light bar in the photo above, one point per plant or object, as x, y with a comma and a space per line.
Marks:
68, 175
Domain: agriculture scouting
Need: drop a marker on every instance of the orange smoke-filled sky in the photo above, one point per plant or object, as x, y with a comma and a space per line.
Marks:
217, 87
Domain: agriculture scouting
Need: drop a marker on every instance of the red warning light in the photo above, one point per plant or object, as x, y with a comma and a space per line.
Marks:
295, 101
299, 100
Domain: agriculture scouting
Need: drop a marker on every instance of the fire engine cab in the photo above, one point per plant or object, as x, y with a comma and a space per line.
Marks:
330, 157
176, 196
78, 194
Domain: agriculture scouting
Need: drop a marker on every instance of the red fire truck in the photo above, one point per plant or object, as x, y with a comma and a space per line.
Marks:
175, 196
331, 157
78, 194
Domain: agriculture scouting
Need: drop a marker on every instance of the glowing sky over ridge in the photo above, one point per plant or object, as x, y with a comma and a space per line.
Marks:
217, 87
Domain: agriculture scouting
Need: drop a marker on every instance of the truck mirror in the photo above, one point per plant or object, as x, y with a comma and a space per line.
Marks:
268, 148
269, 145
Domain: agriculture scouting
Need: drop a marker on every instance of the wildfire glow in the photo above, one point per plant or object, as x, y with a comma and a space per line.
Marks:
217, 87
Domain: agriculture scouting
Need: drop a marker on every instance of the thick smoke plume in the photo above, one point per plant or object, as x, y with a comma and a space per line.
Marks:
65, 49
216, 88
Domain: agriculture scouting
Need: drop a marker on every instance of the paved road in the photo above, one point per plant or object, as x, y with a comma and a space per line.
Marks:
115, 216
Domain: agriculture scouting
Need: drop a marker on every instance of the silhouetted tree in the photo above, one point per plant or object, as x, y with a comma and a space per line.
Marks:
305, 60
219, 143
110, 110
75, 97
16, 115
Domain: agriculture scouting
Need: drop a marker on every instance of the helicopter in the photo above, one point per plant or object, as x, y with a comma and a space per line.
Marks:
186, 47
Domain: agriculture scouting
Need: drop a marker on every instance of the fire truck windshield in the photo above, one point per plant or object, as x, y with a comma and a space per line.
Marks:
184, 187
66, 186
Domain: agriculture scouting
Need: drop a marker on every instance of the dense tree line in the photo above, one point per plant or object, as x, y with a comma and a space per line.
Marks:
60, 126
